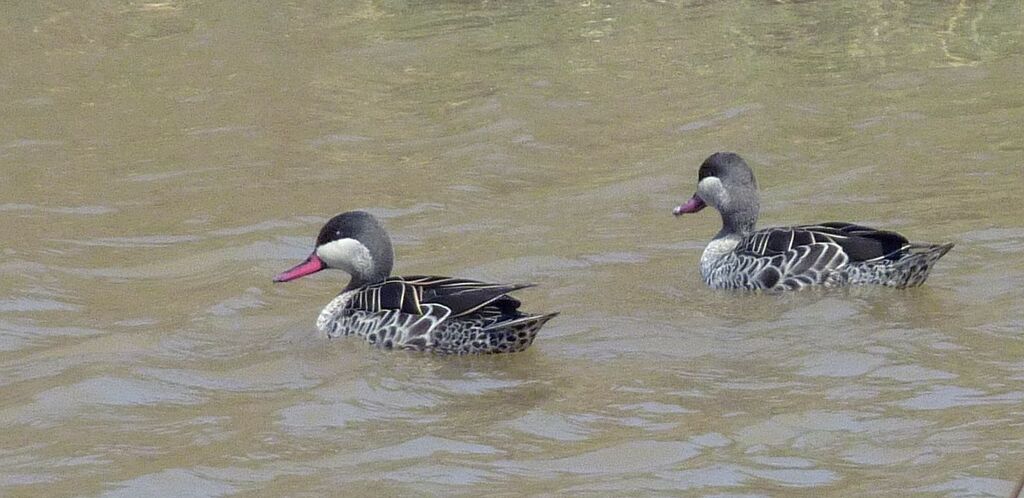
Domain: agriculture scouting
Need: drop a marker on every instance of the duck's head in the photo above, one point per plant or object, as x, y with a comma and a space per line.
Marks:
726, 183
354, 242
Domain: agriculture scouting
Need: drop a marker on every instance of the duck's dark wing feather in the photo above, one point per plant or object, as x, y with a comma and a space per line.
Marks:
462, 296
859, 243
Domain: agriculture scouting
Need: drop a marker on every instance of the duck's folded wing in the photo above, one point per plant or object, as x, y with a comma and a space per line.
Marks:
461, 296
465, 296
858, 243
392, 294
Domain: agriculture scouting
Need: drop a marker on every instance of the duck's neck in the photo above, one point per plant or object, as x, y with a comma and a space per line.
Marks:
375, 275
739, 220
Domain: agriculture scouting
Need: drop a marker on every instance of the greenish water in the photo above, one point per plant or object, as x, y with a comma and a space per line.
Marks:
160, 162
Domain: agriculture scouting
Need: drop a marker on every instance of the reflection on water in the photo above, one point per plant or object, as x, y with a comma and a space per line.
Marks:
160, 161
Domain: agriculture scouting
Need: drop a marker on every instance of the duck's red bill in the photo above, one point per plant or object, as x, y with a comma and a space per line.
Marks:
312, 264
691, 206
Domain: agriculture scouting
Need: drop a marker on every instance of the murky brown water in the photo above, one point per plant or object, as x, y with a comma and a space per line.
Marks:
159, 162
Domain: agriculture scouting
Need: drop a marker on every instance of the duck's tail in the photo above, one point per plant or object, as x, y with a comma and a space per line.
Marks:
519, 332
917, 262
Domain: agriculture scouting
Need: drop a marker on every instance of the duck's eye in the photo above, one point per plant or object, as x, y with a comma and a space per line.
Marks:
704, 173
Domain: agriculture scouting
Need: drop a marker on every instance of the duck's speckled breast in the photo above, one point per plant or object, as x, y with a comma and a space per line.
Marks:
331, 312
711, 258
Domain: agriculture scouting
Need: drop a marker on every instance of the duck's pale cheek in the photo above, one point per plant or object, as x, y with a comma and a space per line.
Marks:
713, 192
346, 254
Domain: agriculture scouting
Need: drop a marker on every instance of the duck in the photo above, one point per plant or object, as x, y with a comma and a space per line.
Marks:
832, 254
420, 313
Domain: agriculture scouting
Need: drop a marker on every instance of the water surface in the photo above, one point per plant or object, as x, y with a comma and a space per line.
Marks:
159, 162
